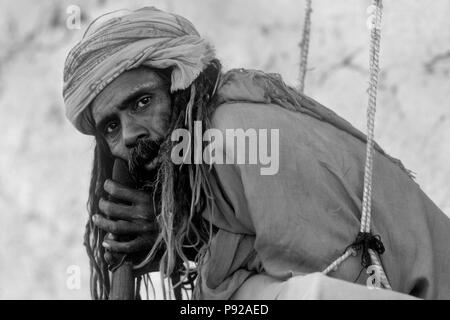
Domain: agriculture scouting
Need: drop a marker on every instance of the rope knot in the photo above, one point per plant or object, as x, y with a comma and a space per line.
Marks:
365, 241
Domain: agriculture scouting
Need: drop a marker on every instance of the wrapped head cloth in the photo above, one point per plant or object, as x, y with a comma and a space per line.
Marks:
123, 41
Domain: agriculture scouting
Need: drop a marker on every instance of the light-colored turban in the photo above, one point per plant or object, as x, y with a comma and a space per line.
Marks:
125, 40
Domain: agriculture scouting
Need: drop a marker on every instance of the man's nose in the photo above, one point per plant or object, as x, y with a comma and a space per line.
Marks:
132, 132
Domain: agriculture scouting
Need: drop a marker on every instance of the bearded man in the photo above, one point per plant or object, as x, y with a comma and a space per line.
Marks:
137, 77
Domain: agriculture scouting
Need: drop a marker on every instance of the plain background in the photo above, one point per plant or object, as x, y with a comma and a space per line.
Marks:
45, 163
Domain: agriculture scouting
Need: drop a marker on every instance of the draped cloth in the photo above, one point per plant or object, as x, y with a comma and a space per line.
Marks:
125, 40
296, 222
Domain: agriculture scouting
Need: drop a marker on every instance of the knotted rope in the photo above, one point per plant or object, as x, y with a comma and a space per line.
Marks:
370, 245
304, 46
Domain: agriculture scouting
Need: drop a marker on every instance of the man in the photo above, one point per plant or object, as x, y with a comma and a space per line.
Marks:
138, 79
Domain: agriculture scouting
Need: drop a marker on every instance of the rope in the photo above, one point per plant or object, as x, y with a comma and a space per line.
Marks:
335, 264
304, 46
370, 244
383, 278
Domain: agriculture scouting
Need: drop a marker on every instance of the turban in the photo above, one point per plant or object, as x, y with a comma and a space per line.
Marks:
123, 41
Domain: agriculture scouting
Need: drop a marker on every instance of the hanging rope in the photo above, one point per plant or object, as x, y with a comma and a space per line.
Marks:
304, 46
370, 245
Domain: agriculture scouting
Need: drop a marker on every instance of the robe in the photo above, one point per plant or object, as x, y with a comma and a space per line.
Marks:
296, 222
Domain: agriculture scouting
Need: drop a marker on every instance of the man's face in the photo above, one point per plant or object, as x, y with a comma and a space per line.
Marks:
134, 107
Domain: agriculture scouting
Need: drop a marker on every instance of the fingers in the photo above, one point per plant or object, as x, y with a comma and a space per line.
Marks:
121, 211
112, 258
121, 192
122, 227
111, 236
135, 245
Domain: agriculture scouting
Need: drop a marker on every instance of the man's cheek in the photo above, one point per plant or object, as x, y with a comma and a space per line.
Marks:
161, 123
166, 122
163, 114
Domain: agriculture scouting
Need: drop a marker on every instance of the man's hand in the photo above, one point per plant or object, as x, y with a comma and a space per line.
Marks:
131, 227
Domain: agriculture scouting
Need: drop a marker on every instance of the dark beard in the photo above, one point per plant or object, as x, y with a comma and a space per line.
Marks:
145, 151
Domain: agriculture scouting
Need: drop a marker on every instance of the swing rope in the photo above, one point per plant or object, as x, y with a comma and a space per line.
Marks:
370, 244
304, 46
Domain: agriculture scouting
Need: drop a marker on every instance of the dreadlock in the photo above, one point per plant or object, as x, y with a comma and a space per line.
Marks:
180, 192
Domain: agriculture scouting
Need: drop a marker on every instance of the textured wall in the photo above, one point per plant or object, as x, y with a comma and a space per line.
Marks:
45, 163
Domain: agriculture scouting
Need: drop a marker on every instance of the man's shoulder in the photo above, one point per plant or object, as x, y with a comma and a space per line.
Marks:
243, 114
247, 97
247, 85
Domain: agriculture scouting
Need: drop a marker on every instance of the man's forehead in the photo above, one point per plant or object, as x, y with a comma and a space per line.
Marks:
124, 86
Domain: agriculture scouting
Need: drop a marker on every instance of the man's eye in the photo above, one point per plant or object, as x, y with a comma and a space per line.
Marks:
143, 102
111, 127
